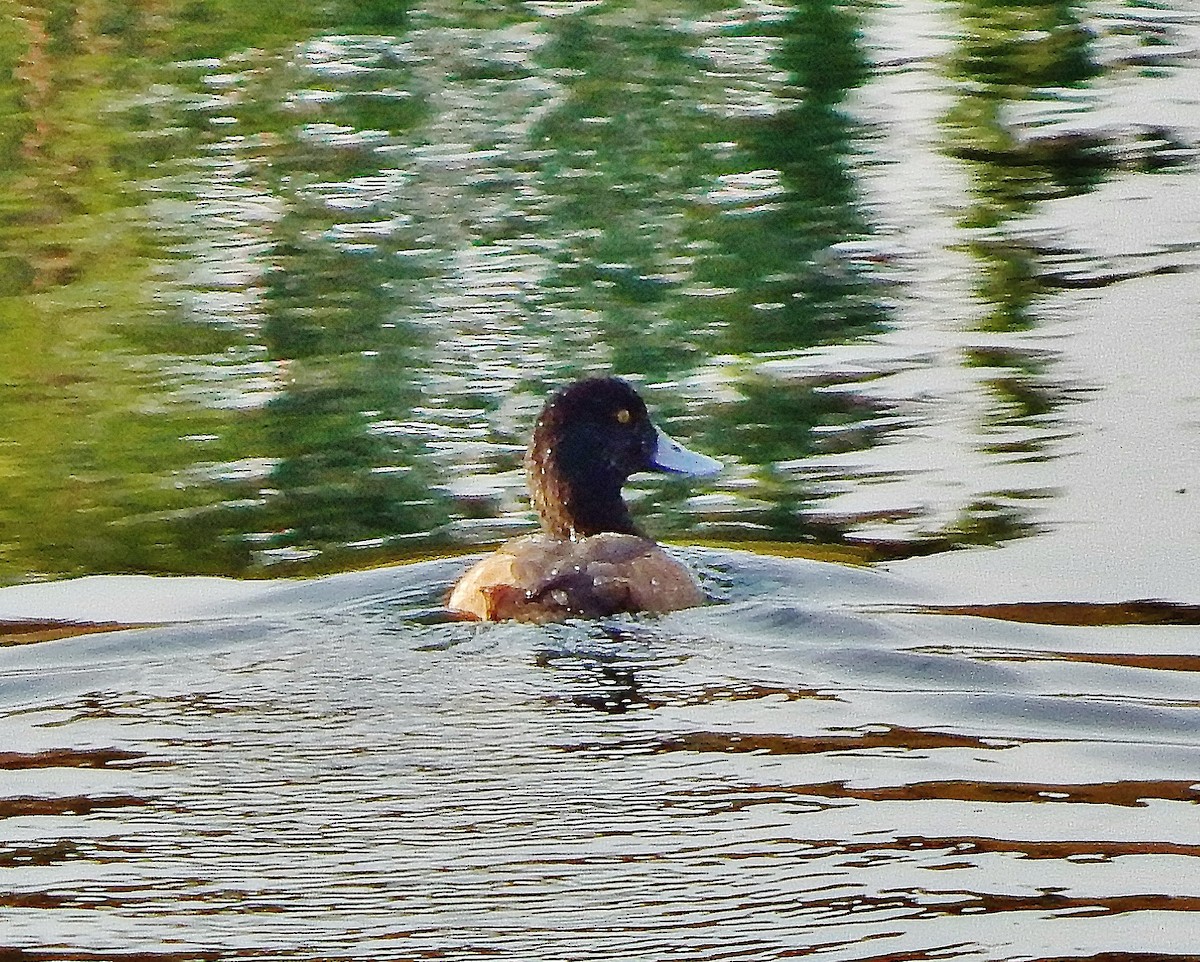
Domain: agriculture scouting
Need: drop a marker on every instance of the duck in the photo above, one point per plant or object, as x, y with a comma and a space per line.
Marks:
589, 559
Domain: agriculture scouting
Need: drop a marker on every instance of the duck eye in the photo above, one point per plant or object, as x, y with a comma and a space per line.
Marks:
623, 416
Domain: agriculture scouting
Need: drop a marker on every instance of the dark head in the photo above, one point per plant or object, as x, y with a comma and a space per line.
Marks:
589, 439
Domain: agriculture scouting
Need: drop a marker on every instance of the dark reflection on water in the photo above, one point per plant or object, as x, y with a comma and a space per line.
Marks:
288, 288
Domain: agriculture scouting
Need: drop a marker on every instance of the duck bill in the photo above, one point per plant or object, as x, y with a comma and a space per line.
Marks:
672, 457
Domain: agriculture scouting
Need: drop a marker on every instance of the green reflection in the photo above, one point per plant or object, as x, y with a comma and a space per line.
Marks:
288, 283
624, 147
771, 251
124, 443
1011, 53
766, 248
1009, 56
86, 435
220, 274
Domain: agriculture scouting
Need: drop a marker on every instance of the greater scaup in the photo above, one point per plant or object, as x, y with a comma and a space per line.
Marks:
589, 559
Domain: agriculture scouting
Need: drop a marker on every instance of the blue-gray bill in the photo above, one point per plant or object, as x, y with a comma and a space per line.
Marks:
671, 456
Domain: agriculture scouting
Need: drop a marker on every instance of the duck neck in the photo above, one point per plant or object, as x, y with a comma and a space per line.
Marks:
575, 505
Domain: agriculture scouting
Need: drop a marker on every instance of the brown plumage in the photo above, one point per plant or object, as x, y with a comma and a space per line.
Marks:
589, 560
539, 578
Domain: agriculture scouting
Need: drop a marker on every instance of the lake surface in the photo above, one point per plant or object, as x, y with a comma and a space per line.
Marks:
312, 770
281, 293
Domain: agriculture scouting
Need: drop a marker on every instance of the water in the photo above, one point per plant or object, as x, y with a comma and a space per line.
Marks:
281, 292
313, 771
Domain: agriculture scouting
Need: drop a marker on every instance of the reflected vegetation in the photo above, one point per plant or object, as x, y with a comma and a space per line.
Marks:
1011, 55
291, 302
282, 289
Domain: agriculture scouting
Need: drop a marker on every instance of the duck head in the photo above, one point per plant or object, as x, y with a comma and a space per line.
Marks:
591, 436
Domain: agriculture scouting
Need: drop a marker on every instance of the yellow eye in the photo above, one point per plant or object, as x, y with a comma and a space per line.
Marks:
623, 416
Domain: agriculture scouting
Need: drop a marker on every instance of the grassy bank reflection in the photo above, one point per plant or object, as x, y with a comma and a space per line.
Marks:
284, 290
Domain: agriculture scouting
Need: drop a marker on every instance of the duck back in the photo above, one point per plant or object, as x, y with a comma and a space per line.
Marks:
541, 578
